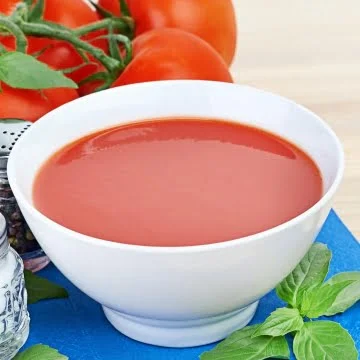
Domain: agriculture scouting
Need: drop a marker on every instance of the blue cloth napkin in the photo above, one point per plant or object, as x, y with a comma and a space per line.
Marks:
77, 326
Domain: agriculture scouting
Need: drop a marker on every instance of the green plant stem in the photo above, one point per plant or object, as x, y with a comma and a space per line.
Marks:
124, 8
44, 30
122, 39
100, 76
113, 45
18, 26
105, 86
128, 47
37, 11
125, 24
21, 11
13, 29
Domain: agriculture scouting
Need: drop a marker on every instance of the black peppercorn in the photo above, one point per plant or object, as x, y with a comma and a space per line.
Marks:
21, 237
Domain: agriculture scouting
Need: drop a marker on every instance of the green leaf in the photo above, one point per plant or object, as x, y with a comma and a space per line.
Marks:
40, 352
317, 302
280, 322
309, 274
241, 345
2, 49
22, 71
344, 276
325, 340
39, 288
348, 296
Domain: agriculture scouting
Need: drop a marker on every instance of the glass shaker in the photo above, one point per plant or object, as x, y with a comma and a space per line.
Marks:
20, 236
14, 317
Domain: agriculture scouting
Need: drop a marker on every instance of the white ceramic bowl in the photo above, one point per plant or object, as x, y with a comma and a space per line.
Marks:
183, 296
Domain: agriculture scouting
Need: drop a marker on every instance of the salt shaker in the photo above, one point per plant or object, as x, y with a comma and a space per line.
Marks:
14, 317
20, 236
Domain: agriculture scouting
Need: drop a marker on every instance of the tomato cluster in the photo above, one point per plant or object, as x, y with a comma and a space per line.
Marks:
173, 39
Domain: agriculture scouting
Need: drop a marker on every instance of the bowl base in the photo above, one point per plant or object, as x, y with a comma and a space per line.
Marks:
179, 334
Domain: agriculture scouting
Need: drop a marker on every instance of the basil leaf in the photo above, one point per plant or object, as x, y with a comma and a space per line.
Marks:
317, 302
241, 345
348, 296
309, 274
23, 71
39, 288
324, 340
280, 322
40, 352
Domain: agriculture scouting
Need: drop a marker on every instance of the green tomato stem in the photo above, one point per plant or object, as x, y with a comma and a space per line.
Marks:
21, 11
122, 39
105, 86
37, 11
13, 29
123, 24
124, 8
113, 66
28, 2
113, 45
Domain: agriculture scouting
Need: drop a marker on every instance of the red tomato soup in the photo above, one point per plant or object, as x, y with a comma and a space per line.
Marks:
176, 182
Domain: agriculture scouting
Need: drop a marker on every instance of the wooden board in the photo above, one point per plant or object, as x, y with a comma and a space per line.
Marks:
309, 51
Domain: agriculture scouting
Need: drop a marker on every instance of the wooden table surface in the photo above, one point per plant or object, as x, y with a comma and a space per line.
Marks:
309, 51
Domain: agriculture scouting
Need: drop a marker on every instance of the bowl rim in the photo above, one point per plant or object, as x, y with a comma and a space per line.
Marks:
189, 248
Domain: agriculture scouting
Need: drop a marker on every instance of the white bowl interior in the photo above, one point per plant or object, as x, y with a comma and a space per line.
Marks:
174, 98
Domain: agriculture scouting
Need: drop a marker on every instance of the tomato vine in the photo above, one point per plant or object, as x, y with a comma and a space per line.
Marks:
27, 20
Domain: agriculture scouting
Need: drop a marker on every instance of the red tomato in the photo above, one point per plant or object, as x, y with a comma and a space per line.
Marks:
73, 14
212, 20
8, 6
89, 88
32, 104
173, 54
61, 55
169, 54
70, 13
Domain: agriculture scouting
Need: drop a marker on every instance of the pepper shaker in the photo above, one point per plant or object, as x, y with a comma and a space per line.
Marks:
21, 237
14, 317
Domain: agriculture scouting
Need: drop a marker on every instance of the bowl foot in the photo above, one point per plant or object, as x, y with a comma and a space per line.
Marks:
180, 334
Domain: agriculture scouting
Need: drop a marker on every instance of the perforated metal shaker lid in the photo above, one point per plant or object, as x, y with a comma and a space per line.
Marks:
4, 244
10, 132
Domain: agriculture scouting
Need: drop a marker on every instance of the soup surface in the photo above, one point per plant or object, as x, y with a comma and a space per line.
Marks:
176, 182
